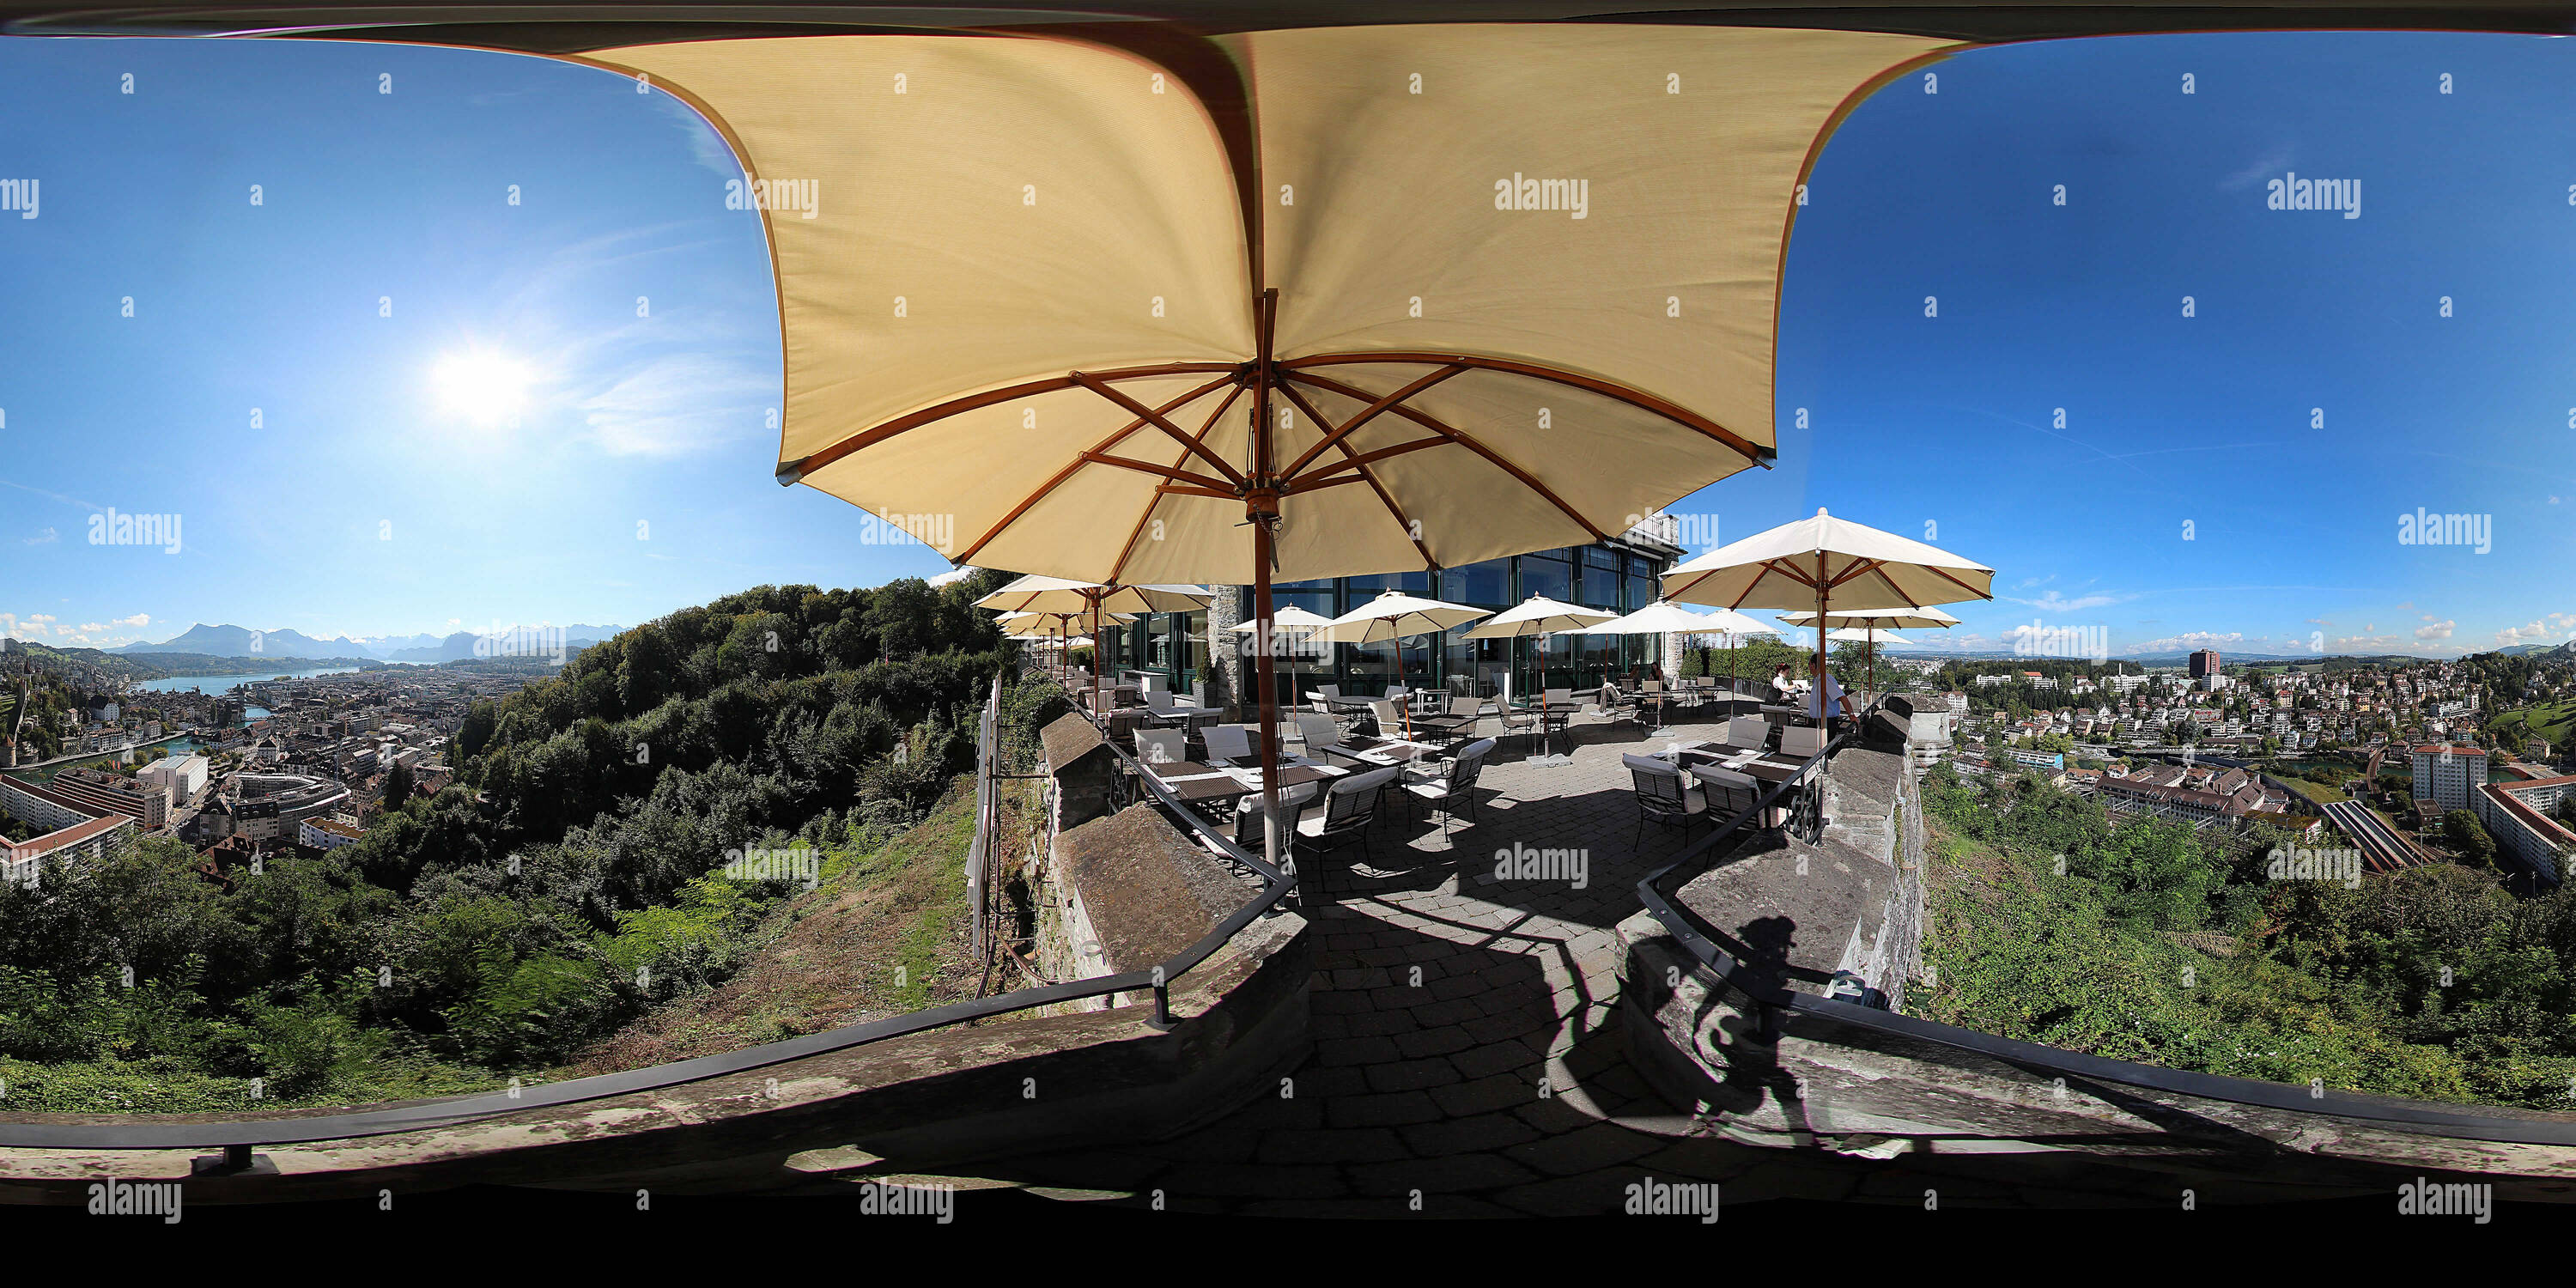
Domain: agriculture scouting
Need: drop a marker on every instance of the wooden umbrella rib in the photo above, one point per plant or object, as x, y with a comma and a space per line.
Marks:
1146, 515
1371, 458
959, 406
1105, 390
1175, 474
1981, 594
1611, 389
1075, 466
1385, 498
1367, 414
1432, 423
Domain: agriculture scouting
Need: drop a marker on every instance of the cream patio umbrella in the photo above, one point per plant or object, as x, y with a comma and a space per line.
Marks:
1828, 565
1016, 619
1117, 302
1538, 615
1871, 624
1060, 596
1394, 616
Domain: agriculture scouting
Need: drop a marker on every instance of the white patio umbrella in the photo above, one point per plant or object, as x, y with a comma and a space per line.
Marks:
1827, 565
1125, 336
1292, 620
1395, 616
1538, 615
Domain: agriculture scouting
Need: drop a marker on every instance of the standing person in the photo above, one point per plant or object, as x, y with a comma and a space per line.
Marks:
1827, 696
1782, 690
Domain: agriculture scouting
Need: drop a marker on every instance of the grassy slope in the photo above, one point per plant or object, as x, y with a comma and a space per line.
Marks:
2551, 720
2021, 953
884, 933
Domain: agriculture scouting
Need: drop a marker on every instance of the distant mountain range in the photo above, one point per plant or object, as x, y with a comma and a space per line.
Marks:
2521, 650
239, 641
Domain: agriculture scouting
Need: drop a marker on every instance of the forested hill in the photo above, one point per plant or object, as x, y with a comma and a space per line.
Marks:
567, 883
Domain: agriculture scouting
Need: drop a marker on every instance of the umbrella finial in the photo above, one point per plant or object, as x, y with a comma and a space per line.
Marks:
1820, 512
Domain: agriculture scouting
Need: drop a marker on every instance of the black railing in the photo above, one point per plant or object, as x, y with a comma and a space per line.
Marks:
237, 1139
1781, 1004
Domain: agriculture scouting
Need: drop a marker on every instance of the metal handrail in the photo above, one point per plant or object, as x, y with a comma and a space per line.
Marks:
1699, 939
241, 1136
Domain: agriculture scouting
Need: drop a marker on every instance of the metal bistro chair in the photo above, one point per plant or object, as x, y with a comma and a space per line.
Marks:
1729, 793
1292, 810
1662, 795
1349, 807
1319, 732
1518, 720
1748, 733
1162, 746
1228, 744
1801, 742
1456, 782
1390, 717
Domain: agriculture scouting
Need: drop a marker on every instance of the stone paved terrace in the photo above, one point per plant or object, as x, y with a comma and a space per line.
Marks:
1435, 1083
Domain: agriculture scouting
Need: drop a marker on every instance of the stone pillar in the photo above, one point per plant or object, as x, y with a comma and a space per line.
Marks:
1225, 647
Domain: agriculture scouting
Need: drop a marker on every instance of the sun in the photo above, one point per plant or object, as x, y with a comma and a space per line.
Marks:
484, 387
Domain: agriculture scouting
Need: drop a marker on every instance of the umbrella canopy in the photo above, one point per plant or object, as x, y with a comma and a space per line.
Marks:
1825, 565
1828, 565
1539, 615
1395, 616
1858, 635
1887, 619
1059, 596
1291, 618
1661, 617
1062, 597
1120, 303
1047, 275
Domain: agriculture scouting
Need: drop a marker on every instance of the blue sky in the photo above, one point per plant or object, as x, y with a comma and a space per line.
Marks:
372, 498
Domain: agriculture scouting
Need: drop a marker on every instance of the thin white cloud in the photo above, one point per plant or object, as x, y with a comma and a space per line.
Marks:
677, 404
2436, 631
44, 537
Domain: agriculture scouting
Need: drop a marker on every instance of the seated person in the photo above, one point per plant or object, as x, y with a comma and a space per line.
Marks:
1782, 689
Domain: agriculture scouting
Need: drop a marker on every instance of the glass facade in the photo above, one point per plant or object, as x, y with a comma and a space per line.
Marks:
1607, 577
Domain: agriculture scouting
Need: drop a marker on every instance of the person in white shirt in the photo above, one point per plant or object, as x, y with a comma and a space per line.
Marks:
1781, 688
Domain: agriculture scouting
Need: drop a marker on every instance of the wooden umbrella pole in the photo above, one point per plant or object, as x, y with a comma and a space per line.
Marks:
1824, 677
1261, 506
1096, 712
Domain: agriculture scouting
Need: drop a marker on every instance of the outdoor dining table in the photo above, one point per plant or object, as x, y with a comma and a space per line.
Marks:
1381, 752
1196, 783
1554, 716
